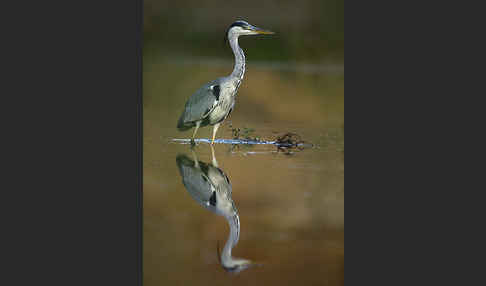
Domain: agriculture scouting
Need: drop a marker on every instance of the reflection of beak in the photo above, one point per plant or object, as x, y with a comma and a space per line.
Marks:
257, 264
262, 31
253, 264
248, 264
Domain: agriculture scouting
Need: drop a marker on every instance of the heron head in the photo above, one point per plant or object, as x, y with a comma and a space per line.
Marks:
241, 28
239, 265
235, 265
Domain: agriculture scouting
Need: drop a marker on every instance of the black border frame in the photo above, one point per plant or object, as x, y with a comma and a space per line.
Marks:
71, 214
140, 139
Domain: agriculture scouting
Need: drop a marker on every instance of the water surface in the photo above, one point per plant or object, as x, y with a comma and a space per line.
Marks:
290, 204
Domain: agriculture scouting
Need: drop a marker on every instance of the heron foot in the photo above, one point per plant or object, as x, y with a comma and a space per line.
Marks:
193, 143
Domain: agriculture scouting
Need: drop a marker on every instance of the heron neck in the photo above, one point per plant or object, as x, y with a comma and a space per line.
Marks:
239, 69
234, 236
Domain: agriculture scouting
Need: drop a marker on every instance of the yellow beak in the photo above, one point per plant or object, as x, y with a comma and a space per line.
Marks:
265, 32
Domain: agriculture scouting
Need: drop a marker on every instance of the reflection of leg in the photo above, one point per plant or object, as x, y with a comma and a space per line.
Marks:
194, 156
215, 163
195, 131
215, 129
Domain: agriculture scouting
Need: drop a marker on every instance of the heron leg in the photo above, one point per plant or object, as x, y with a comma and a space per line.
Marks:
215, 129
215, 163
195, 131
194, 156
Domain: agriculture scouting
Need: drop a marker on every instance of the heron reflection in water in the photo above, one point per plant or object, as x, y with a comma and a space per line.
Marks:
210, 187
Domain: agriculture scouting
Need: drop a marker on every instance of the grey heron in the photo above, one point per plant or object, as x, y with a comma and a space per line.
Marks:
210, 187
214, 101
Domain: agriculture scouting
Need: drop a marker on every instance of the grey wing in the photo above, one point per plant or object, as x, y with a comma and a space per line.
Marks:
219, 179
226, 183
196, 181
201, 103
